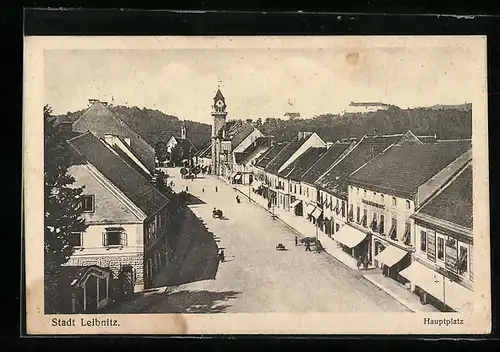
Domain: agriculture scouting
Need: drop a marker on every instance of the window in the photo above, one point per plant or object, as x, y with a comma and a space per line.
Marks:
343, 209
358, 214
337, 227
440, 248
462, 261
337, 210
88, 203
114, 236
307, 191
407, 234
300, 189
365, 216
393, 200
294, 188
364, 192
423, 241
75, 239
351, 212
357, 191
407, 204
382, 198
373, 224
381, 225
393, 233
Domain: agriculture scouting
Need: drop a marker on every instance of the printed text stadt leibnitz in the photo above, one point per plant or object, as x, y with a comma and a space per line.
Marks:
85, 322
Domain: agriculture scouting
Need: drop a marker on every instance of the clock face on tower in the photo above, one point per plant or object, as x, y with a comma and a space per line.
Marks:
220, 103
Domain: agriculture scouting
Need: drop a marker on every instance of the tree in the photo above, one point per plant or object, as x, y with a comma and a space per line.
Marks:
62, 210
176, 155
161, 152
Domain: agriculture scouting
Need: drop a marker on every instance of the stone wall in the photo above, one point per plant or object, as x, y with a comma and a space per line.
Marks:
113, 262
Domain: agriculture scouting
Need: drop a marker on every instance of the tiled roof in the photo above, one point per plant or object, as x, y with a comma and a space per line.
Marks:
235, 131
264, 159
334, 181
402, 169
137, 188
295, 170
100, 120
454, 203
258, 145
218, 95
323, 164
284, 155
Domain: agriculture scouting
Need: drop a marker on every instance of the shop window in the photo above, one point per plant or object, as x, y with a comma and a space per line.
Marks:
462, 261
88, 203
103, 288
440, 248
423, 241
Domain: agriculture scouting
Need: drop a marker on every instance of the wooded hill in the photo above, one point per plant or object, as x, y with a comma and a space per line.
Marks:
445, 123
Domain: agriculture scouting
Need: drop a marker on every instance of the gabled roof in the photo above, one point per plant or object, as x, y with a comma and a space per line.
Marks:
264, 159
257, 146
235, 131
295, 170
403, 168
335, 180
137, 188
454, 202
100, 120
322, 165
284, 155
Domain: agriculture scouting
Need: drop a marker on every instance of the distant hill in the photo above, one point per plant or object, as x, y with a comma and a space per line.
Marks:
445, 123
461, 107
155, 126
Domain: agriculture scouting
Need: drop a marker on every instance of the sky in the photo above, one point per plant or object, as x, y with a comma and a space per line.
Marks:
259, 82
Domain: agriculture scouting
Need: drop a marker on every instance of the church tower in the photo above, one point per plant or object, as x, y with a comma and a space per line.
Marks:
183, 130
219, 113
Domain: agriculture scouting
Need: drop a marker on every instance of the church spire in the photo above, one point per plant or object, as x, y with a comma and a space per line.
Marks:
183, 130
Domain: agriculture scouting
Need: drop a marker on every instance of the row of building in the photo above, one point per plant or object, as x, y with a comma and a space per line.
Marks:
401, 202
127, 242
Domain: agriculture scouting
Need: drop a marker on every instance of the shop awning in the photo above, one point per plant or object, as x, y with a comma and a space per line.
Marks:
316, 213
349, 236
451, 293
310, 208
390, 256
295, 203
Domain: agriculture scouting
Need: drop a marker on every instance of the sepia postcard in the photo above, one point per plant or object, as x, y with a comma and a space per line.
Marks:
256, 185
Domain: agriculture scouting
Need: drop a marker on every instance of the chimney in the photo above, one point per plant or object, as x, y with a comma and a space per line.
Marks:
105, 103
329, 144
352, 139
343, 140
93, 101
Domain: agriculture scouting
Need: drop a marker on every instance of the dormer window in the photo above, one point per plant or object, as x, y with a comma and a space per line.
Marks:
88, 203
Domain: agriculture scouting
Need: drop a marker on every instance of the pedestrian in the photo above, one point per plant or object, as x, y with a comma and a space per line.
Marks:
358, 264
216, 189
203, 190
365, 262
187, 188
296, 241
308, 247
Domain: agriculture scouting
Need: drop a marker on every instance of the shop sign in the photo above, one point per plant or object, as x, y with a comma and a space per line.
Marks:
373, 204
